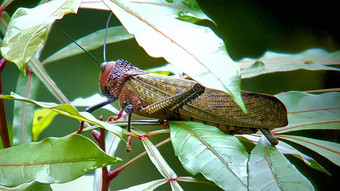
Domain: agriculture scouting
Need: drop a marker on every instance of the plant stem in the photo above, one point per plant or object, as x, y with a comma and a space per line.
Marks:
3, 122
105, 172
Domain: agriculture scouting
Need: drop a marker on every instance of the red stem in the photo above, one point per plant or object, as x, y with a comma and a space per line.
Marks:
3, 122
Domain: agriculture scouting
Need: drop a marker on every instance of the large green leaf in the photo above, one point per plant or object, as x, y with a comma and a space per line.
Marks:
205, 149
197, 50
90, 42
328, 149
23, 112
28, 29
270, 170
69, 111
313, 59
311, 111
53, 160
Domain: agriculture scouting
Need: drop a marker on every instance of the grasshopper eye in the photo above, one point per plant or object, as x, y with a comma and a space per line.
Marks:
103, 66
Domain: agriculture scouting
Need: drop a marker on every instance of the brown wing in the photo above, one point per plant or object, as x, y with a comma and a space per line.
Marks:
153, 87
264, 111
213, 106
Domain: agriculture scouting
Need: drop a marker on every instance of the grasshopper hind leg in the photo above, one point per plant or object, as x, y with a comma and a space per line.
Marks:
271, 138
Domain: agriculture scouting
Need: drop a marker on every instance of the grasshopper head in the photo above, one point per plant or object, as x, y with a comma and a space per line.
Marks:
113, 75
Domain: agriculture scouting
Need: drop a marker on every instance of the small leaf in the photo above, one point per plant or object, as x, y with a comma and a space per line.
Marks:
302, 115
284, 148
37, 68
31, 186
196, 49
327, 149
69, 111
149, 186
270, 170
157, 159
3, 26
93, 4
28, 29
52, 160
312, 59
205, 149
23, 112
41, 120
91, 42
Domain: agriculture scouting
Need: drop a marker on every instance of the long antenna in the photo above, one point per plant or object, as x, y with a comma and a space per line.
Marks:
105, 37
87, 52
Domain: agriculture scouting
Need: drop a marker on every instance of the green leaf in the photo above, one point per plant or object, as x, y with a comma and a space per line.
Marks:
28, 29
91, 42
94, 4
312, 59
52, 160
31, 186
327, 149
6, 18
285, 148
37, 68
158, 160
23, 112
302, 115
149, 186
196, 49
270, 170
41, 120
205, 149
69, 111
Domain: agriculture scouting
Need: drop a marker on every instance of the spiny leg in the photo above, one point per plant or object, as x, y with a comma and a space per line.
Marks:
271, 138
128, 109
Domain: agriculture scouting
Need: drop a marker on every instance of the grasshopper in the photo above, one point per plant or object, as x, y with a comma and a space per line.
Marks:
170, 98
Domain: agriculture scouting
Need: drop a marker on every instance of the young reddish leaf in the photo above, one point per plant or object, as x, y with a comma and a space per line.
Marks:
52, 160
205, 149
28, 29
270, 170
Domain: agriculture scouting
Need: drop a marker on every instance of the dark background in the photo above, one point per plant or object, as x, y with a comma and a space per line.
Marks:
249, 29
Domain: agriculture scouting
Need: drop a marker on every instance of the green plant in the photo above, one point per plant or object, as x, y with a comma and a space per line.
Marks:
231, 162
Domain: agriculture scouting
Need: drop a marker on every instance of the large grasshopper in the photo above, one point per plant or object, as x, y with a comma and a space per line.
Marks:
170, 98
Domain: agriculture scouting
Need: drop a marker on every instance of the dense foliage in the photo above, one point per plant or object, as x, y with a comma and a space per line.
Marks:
182, 34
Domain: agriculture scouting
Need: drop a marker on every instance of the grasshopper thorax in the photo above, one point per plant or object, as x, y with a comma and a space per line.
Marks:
114, 74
